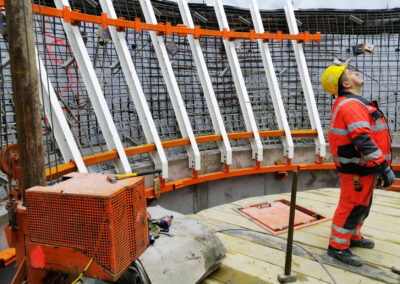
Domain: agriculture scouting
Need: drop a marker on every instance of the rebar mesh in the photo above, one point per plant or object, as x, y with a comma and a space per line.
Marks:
339, 34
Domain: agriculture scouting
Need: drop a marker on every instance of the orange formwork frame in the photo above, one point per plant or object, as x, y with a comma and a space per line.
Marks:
69, 167
55, 172
225, 173
74, 17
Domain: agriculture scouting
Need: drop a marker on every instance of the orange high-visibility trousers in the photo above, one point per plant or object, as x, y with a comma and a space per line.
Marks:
354, 205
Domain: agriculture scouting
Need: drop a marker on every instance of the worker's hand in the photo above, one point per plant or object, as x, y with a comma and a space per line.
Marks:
387, 174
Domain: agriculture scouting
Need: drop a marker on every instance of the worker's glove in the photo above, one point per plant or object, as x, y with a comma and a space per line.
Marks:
387, 174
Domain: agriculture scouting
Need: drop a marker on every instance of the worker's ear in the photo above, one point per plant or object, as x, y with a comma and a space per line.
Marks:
346, 84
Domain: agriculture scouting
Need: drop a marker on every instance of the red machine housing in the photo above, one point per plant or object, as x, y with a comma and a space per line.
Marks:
87, 217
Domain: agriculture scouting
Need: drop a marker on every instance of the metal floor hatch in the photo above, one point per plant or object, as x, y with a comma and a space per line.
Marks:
274, 216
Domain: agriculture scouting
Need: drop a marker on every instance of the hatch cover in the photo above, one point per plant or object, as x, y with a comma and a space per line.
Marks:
274, 216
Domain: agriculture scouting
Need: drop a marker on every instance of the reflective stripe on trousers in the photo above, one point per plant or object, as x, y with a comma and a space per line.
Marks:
353, 208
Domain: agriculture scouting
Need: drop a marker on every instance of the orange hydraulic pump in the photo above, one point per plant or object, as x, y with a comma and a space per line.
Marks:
84, 223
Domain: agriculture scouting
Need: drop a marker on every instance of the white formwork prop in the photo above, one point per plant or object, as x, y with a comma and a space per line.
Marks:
202, 70
55, 116
306, 82
172, 86
287, 141
136, 90
95, 93
243, 96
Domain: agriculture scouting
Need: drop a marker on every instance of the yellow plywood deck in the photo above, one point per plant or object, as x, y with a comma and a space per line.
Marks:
258, 258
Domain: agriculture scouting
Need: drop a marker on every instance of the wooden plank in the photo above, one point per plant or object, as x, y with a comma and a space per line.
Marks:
237, 268
380, 245
391, 194
258, 199
378, 192
368, 232
334, 200
382, 227
229, 218
374, 227
211, 281
299, 264
275, 242
377, 199
376, 220
374, 233
320, 240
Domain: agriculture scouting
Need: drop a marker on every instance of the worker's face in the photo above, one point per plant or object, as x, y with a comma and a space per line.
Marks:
352, 79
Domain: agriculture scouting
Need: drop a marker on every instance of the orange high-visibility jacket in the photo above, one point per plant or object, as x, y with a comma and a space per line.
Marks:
358, 136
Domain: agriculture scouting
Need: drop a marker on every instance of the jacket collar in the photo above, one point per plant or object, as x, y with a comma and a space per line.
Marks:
348, 95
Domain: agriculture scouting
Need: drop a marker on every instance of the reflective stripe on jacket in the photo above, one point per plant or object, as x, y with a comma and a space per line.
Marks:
358, 135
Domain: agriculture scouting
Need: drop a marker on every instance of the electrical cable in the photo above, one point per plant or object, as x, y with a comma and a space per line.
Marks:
296, 244
83, 272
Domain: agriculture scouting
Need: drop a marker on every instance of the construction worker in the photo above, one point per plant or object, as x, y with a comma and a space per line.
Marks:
359, 141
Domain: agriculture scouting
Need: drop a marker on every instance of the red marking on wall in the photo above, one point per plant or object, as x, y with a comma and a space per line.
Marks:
37, 258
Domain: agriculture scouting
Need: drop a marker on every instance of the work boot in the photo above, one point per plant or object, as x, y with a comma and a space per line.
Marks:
345, 256
363, 243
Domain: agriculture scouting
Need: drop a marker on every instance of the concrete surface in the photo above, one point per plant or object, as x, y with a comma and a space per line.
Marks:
201, 196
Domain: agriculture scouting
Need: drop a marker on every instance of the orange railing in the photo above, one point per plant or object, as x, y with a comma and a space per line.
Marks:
146, 148
61, 170
75, 17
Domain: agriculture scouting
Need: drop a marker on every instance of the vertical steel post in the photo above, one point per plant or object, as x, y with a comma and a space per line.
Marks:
26, 92
289, 244
287, 277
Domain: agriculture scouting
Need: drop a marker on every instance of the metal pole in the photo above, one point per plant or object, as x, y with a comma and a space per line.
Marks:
26, 92
287, 277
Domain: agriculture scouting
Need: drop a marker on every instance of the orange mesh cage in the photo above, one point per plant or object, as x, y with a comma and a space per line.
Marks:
106, 222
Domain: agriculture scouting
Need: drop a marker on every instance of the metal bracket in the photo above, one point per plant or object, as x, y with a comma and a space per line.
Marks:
306, 82
243, 96
136, 90
62, 131
202, 70
172, 86
287, 141
95, 92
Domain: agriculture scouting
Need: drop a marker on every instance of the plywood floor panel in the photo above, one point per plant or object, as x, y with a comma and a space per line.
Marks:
258, 258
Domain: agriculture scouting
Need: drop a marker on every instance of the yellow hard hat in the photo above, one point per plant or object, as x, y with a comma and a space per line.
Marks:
330, 78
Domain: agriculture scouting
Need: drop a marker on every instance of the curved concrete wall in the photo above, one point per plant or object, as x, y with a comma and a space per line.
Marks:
201, 196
